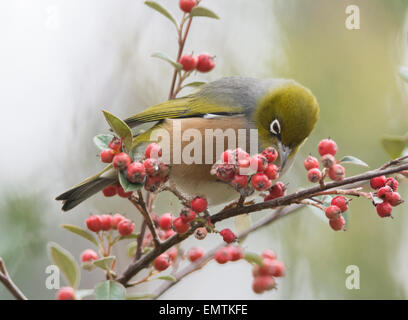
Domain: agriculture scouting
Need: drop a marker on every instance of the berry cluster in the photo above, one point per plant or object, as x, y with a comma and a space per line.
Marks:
228, 253
246, 173
150, 171
107, 222
264, 275
204, 62
387, 192
334, 212
327, 149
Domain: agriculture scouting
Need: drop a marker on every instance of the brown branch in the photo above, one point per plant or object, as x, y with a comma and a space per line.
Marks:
140, 238
9, 284
227, 212
197, 265
140, 204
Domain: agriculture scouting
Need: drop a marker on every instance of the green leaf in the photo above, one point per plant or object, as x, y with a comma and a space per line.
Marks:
168, 278
141, 297
102, 141
105, 263
393, 145
353, 160
120, 128
110, 290
81, 232
66, 263
126, 184
129, 236
132, 247
166, 58
80, 294
403, 72
159, 8
203, 12
194, 84
253, 258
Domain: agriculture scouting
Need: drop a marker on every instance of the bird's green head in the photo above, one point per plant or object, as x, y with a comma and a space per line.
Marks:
285, 117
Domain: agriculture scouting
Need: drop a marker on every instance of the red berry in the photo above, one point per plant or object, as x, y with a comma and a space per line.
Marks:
391, 182
223, 255
228, 156
270, 154
314, 175
136, 172
188, 62
195, 253
332, 212
122, 193
267, 268
239, 182
337, 223
94, 223
395, 199
89, 255
327, 146
200, 233
337, 172
187, 215
66, 293
260, 182
162, 262
378, 182
225, 171
243, 158
268, 254
116, 219
169, 233
272, 171
311, 163
384, 209
199, 204
121, 161
110, 191
115, 144
172, 252
263, 283
384, 193
278, 268
328, 160
258, 163
236, 253
276, 191
187, 5
228, 235
107, 155
152, 166
106, 222
205, 62
153, 150
340, 202
152, 184
180, 225
126, 227
165, 221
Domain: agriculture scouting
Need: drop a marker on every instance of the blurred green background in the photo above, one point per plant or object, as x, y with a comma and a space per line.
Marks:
62, 62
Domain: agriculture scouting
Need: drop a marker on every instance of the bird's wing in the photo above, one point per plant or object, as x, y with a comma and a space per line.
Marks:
185, 107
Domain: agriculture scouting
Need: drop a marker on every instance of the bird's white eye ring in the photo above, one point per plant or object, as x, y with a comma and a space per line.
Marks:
275, 127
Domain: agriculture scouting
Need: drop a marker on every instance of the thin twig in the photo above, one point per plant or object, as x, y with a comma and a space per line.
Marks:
140, 238
8, 282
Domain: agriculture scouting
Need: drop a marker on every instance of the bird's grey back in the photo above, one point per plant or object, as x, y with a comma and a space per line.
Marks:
239, 91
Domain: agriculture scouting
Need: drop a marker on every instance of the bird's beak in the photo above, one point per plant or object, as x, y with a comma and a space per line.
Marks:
284, 153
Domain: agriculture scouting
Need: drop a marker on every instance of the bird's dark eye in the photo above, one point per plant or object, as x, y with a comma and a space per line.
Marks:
275, 127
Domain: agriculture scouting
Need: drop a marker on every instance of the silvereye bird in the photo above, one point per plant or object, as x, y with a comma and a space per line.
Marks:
282, 111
